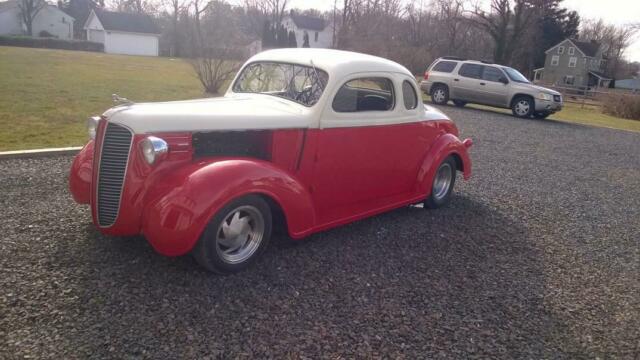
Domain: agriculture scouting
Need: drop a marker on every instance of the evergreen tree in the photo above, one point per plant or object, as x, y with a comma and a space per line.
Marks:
305, 41
283, 37
554, 25
266, 35
293, 42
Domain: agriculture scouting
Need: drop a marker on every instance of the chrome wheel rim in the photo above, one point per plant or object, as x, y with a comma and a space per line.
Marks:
240, 234
442, 181
522, 107
438, 95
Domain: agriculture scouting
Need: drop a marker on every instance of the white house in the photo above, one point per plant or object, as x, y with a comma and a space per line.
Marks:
48, 19
123, 33
320, 32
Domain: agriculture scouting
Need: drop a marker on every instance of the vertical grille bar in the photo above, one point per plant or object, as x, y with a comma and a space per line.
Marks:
113, 166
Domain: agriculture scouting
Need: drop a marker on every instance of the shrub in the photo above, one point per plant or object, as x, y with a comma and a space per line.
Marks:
50, 43
626, 106
45, 34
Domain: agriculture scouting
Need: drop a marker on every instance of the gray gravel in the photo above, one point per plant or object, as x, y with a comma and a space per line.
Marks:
537, 256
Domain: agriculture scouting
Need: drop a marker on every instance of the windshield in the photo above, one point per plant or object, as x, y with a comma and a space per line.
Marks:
515, 75
299, 83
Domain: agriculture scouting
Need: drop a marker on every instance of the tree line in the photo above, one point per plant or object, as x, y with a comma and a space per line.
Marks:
510, 32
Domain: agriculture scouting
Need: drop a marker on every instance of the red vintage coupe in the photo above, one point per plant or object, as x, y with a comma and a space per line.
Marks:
308, 139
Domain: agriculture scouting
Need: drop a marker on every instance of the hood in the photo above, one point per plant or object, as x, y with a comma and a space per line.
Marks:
534, 87
239, 112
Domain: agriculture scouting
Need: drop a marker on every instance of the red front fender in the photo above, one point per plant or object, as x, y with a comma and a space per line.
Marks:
179, 206
446, 145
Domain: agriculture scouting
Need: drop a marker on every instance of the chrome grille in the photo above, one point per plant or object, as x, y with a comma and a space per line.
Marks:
113, 166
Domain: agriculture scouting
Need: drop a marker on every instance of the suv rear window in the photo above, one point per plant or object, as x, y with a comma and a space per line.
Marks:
471, 71
444, 66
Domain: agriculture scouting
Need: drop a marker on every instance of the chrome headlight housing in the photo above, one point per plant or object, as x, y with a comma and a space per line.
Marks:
545, 96
153, 149
92, 126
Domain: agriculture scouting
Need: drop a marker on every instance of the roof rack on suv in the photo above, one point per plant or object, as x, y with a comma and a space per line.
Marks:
453, 58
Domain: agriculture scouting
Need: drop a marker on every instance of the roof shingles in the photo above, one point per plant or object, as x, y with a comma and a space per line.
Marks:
126, 22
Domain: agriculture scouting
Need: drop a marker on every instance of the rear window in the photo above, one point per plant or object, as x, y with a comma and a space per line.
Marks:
444, 66
471, 71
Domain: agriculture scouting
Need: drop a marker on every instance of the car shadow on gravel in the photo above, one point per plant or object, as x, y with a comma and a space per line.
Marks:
464, 278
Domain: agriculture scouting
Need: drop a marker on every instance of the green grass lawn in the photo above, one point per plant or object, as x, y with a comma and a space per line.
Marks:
46, 95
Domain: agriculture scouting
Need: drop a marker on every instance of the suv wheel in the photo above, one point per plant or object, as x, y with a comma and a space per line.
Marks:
440, 95
523, 107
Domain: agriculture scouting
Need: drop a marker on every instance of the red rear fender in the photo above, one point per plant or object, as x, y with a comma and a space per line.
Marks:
446, 145
179, 206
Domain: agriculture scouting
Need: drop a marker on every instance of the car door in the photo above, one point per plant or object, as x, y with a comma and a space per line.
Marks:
368, 147
494, 89
466, 82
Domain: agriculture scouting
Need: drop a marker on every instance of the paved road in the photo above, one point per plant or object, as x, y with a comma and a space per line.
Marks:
537, 256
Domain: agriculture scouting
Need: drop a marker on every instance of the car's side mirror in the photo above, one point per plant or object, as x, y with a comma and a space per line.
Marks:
503, 80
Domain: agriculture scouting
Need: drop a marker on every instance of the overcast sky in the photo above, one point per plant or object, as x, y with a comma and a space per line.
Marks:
612, 11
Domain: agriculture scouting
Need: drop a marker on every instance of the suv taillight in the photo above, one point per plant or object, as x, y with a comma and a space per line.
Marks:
426, 75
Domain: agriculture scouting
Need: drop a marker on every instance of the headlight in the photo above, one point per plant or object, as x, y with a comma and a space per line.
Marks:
545, 96
92, 126
154, 149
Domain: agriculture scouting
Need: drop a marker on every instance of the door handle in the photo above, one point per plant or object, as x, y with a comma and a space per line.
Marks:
482, 84
456, 79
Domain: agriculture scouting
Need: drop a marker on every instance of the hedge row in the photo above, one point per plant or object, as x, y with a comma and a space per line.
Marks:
51, 43
623, 105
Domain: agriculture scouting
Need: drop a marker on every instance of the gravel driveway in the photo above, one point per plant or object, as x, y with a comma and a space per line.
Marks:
538, 256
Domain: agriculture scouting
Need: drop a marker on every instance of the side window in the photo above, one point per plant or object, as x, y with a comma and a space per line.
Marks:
365, 94
445, 66
491, 74
561, 50
409, 95
471, 71
555, 59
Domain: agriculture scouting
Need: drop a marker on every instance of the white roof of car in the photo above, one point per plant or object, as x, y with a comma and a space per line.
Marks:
335, 62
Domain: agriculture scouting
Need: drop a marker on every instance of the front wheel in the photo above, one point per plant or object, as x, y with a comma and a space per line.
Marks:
443, 183
235, 236
523, 107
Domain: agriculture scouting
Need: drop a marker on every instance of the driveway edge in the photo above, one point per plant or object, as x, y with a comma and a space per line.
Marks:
37, 153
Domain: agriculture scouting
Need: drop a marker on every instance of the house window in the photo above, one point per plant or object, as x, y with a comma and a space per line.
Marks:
555, 59
316, 37
571, 50
584, 61
573, 61
560, 50
569, 80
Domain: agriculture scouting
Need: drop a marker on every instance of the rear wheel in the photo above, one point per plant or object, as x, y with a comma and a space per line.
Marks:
235, 236
523, 107
443, 182
459, 103
440, 95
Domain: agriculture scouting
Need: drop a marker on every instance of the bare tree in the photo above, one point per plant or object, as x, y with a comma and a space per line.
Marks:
274, 9
214, 53
174, 8
506, 23
614, 39
29, 9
